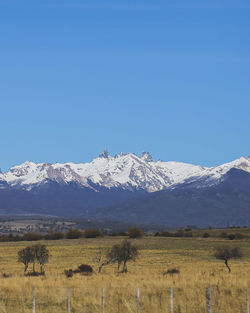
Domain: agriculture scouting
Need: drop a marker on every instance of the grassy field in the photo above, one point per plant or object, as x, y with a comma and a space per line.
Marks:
192, 256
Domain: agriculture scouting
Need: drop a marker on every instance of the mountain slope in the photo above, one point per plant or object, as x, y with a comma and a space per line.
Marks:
227, 202
60, 200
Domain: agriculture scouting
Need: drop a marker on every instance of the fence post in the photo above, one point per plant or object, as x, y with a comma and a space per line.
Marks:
103, 300
138, 300
171, 301
68, 299
248, 311
208, 300
34, 300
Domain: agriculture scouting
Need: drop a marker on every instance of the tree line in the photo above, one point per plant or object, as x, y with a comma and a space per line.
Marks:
133, 232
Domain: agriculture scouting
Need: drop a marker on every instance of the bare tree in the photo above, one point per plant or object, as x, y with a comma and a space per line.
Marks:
99, 259
227, 253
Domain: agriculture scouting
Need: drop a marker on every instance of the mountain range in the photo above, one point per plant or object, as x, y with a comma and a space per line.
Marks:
131, 188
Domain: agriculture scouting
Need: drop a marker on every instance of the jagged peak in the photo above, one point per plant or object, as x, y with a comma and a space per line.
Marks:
104, 154
146, 156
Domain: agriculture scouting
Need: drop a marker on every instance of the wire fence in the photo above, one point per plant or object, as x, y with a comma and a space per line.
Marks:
73, 300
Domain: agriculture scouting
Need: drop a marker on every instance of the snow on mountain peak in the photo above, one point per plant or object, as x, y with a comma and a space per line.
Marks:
126, 171
243, 164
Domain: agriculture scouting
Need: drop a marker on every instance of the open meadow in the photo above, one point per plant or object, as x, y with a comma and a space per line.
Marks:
193, 257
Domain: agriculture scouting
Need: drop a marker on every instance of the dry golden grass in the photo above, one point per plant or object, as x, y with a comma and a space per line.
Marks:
192, 256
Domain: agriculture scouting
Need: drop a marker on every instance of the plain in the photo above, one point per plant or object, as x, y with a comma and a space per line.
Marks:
193, 257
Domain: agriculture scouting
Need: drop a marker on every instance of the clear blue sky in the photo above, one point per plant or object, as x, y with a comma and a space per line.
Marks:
169, 77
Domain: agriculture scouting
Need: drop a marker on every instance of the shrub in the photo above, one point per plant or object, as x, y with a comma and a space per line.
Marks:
69, 273
34, 274
206, 235
4, 238
231, 236
179, 233
171, 271
84, 269
166, 233
11, 237
32, 236
121, 233
74, 234
54, 236
93, 233
135, 232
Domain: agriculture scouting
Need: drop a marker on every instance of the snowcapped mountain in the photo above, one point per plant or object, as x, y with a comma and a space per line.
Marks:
124, 171
131, 188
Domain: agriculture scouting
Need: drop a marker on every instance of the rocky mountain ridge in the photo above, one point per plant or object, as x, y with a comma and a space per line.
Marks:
124, 171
